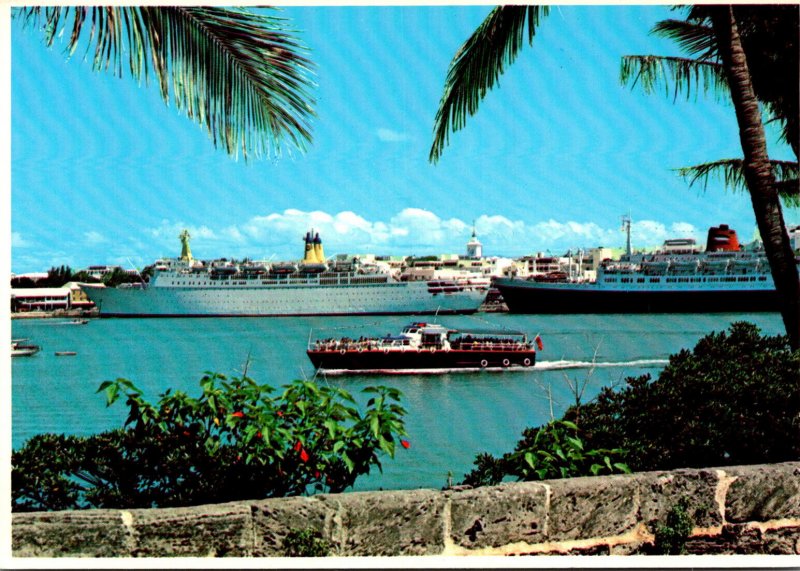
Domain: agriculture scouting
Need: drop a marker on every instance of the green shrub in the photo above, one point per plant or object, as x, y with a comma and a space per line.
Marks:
671, 536
233, 442
305, 543
552, 451
734, 399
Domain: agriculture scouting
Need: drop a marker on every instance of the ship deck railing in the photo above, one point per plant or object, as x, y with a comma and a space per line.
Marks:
377, 345
353, 345
490, 346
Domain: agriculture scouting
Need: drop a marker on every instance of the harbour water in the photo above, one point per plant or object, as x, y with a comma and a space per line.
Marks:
450, 417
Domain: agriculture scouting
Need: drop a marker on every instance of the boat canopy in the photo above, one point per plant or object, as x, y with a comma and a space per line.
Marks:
491, 332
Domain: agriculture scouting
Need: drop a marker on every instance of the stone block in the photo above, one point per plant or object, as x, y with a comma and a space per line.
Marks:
746, 540
584, 508
661, 491
631, 548
391, 523
498, 515
91, 533
216, 530
275, 518
763, 493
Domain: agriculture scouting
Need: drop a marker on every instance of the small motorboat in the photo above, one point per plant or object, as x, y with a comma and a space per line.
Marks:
66, 353
20, 348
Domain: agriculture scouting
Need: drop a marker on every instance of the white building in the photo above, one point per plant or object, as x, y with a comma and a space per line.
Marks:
40, 298
474, 247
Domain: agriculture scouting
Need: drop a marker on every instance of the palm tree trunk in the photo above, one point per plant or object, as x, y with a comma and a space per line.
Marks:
758, 172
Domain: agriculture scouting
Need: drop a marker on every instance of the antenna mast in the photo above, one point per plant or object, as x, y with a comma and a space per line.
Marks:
626, 227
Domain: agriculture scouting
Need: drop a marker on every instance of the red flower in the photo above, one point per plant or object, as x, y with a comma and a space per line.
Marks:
258, 434
280, 413
304, 455
298, 446
238, 414
405, 443
317, 474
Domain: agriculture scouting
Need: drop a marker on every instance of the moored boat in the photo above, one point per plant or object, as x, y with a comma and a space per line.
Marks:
425, 348
723, 278
20, 348
186, 287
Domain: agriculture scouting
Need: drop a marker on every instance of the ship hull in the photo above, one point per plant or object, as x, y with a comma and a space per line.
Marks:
422, 360
382, 299
528, 297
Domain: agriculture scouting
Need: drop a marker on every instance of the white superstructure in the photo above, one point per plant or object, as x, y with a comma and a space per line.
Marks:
187, 287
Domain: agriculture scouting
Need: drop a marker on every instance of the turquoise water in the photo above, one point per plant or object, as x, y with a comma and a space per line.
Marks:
450, 418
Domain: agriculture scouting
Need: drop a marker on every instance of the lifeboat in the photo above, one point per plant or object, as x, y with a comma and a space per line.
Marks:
282, 269
551, 277
223, 270
312, 268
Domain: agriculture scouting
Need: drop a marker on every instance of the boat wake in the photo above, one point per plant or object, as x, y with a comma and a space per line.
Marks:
437, 371
539, 366
560, 365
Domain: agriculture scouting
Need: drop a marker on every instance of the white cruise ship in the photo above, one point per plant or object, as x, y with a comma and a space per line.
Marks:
185, 287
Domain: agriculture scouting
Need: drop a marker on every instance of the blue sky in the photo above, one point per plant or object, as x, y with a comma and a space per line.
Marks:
103, 172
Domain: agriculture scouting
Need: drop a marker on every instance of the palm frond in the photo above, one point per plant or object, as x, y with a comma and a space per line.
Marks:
731, 172
676, 74
478, 65
243, 76
695, 38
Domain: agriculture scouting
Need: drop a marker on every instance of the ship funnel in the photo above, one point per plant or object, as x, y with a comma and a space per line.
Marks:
319, 253
186, 251
722, 239
308, 255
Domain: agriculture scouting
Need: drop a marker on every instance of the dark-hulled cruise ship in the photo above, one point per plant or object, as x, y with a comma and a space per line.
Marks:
676, 279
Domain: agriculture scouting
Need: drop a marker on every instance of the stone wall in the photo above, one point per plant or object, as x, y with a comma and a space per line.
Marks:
749, 509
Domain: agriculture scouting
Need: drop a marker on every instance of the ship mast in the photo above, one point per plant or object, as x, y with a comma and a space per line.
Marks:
626, 227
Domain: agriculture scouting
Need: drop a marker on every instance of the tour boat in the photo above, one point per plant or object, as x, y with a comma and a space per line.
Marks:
425, 348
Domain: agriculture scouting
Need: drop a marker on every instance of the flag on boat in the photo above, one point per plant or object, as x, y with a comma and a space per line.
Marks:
539, 343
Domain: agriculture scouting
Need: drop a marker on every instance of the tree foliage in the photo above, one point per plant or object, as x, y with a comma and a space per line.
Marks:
548, 452
119, 276
769, 38
478, 65
734, 399
235, 441
731, 171
243, 76
770, 41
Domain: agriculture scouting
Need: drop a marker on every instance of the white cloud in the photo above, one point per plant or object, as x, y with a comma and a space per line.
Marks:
391, 136
93, 237
17, 241
410, 231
